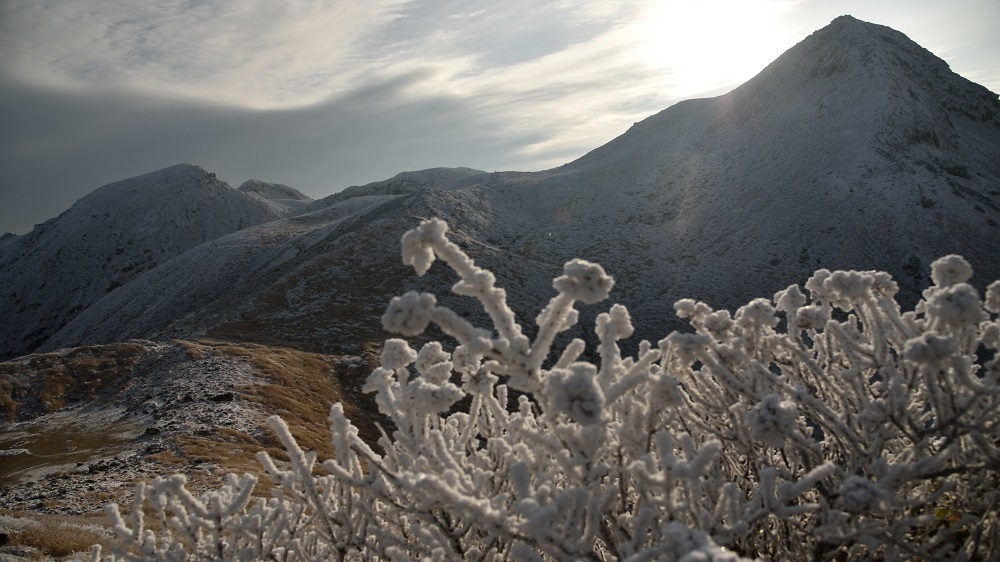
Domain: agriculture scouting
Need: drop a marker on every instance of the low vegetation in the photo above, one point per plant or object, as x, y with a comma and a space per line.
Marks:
56, 536
299, 385
831, 426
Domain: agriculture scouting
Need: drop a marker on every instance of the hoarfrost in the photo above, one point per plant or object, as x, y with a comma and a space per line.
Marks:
880, 434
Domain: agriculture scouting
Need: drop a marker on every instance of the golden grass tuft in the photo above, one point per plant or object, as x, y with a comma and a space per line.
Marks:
58, 536
193, 350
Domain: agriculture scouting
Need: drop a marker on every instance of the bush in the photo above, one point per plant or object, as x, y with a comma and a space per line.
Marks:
827, 427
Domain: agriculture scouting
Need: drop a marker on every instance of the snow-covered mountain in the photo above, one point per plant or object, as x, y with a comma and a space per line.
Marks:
228, 278
856, 149
106, 240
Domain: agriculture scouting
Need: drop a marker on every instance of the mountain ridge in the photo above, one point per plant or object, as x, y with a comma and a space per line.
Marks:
855, 149
284, 195
107, 239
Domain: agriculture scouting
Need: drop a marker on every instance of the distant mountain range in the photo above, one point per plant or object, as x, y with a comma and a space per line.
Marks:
855, 149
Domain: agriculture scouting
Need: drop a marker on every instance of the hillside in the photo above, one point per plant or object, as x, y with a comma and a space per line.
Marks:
106, 240
223, 280
279, 193
92, 420
855, 149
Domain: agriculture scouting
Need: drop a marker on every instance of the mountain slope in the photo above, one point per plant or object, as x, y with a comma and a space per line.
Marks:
856, 149
106, 240
235, 268
279, 193
400, 184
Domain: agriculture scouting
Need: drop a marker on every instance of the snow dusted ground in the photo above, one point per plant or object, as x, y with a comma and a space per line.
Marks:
203, 275
279, 193
185, 406
404, 183
75, 459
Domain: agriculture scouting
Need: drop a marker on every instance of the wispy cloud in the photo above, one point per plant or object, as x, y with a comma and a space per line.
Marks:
586, 70
268, 54
256, 53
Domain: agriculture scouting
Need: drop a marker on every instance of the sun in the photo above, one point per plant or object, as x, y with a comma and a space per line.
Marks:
712, 43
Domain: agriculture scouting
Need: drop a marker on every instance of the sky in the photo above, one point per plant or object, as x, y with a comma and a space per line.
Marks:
324, 94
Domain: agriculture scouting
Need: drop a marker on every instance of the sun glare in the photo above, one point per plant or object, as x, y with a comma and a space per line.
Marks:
709, 44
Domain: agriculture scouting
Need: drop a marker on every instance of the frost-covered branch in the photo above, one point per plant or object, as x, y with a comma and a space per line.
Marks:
821, 424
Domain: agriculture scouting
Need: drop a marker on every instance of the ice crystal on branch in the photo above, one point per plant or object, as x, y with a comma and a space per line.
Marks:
772, 420
575, 391
584, 281
822, 424
409, 314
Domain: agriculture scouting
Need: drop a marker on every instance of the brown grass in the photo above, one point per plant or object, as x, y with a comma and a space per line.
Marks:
60, 535
63, 443
300, 387
11, 392
194, 351
58, 378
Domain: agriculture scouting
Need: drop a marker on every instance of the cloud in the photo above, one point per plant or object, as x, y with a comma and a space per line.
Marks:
251, 53
272, 55
57, 147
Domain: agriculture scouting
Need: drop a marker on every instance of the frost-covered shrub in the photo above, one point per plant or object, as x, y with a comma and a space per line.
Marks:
822, 427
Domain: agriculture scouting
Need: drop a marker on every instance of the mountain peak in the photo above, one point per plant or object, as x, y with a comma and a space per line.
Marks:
178, 177
106, 239
868, 75
847, 21
185, 167
848, 46
182, 169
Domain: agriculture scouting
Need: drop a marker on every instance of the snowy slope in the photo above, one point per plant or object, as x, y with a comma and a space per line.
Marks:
279, 193
400, 184
237, 268
855, 149
106, 240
